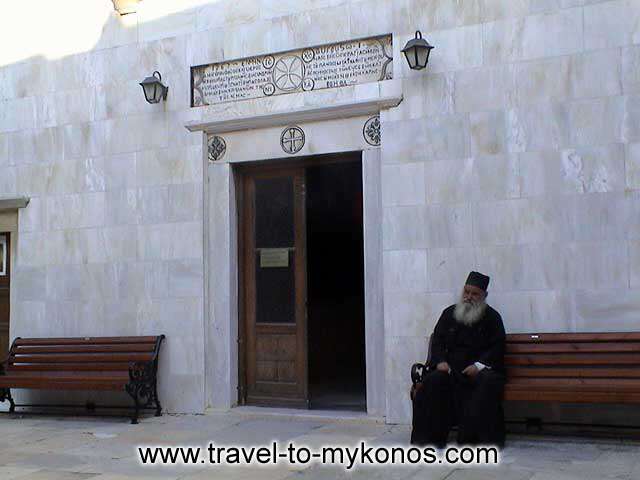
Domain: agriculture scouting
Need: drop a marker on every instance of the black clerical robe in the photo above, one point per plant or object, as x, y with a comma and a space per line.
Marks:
446, 399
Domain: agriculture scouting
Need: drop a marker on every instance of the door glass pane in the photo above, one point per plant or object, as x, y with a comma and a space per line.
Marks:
275, 292
275, 269
274, 212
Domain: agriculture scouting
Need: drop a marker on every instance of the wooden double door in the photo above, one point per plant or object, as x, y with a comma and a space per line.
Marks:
273, 288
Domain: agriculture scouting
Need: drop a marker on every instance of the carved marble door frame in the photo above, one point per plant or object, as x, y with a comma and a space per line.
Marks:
269, 137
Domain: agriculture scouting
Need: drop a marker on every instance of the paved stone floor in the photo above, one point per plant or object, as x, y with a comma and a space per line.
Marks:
41, 447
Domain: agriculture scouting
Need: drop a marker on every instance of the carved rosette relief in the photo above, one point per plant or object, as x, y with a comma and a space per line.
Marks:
217, 147
372, 131
288, 73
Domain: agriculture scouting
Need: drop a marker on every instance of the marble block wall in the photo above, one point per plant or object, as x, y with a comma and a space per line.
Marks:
517, 153
111, 242
513, 154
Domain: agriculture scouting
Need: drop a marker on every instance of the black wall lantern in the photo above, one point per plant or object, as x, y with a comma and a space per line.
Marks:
153, 89
417, 51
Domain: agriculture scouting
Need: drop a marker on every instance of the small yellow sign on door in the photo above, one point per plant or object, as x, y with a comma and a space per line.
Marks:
274, 257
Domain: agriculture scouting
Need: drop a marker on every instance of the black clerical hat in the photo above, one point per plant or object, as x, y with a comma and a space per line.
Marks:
478, 280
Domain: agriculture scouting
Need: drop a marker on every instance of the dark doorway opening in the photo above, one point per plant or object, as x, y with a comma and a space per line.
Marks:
5, 279
335, 286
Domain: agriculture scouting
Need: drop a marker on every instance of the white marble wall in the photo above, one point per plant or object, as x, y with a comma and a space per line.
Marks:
517, 152
514, 154
111, 242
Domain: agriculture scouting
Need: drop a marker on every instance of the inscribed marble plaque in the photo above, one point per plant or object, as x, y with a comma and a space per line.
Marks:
329, 66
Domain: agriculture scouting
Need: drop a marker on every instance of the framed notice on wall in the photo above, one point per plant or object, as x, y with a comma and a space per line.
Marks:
3, 255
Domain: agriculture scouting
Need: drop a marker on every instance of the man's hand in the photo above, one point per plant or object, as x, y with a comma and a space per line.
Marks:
443, 367
471, 371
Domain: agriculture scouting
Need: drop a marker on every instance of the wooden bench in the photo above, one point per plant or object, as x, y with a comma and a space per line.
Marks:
573, 367
128, 364
569, 368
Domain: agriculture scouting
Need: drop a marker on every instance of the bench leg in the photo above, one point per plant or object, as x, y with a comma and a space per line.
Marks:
5, 394
533, 423
142, 387
157, 400
134, 418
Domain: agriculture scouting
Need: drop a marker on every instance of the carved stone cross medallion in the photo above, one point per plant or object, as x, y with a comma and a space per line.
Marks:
292, 139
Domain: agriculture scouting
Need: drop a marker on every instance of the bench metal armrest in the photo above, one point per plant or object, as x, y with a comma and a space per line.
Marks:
4, 365
417, 372
142, 372
419, 369
146, 371
142, 386
156, 350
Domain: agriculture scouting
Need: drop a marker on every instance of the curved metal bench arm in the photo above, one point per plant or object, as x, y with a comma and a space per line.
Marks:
5, 363
5, 393
143, 383
417, 371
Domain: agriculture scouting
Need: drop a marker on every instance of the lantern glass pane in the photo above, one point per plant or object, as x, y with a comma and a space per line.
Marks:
422, 57
411, 57
157, 93
149, 91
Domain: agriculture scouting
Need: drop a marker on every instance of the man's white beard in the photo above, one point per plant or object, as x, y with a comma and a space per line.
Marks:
469, 313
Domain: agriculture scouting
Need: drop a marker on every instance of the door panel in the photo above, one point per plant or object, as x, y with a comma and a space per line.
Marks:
275, 283
5, 271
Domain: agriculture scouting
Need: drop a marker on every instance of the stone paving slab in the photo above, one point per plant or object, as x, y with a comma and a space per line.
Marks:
40, 447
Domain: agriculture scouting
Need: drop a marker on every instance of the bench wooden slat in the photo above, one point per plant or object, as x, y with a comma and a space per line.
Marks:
79, 367
582, 372
570, 397
573, 337
597, 347
576, 384
574, 359
75, 375
85, 357
83, 340
114, 348
49, 384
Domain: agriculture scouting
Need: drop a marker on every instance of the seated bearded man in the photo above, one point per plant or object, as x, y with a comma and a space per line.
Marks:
464, 379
